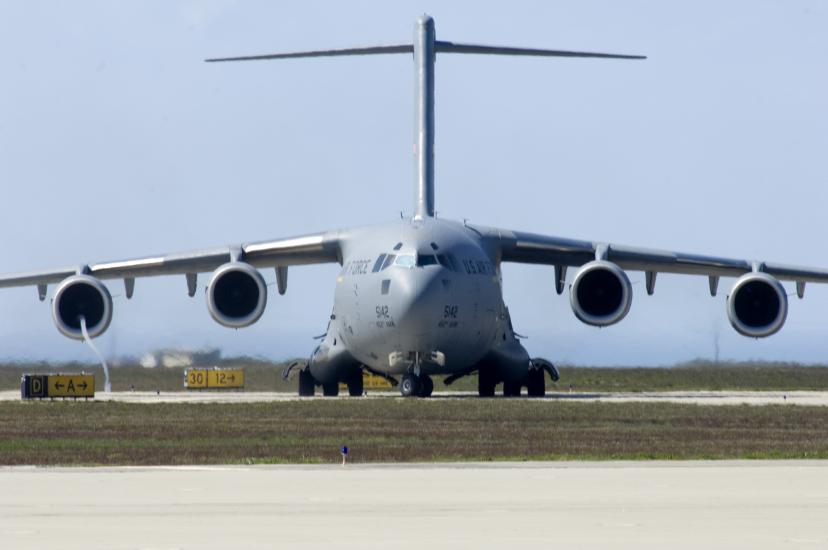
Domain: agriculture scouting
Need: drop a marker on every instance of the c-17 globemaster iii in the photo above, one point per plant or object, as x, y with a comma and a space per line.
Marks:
422, 296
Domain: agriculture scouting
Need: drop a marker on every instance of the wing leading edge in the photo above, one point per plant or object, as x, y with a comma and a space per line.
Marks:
530, 248
314, 248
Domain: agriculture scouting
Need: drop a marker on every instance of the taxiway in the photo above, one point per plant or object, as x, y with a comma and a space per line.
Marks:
751, 505
812, 398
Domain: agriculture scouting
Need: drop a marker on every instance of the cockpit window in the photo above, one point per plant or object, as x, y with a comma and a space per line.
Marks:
378, 263
385, 261
447, 261
426, 259
406, 260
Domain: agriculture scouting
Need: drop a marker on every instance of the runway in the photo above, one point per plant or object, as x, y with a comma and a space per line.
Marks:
729, 397
750, 505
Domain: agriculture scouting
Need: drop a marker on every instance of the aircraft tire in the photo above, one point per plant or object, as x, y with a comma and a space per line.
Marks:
330, 389
535, 383
307, 385
355, 384
511, 389
426, 386
486, 383
409, 385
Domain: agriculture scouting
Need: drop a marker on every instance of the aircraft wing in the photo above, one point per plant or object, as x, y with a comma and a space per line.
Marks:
305, 249
530, 248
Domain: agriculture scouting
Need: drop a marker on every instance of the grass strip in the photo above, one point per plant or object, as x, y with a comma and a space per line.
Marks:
400, 430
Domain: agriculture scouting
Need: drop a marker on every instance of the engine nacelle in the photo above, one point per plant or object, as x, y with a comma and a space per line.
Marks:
82, 296
757, 305
236, 295
600, 294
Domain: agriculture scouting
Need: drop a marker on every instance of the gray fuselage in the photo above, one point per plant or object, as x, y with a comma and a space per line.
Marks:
417, 294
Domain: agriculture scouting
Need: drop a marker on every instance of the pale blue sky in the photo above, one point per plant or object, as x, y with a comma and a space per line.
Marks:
116, 140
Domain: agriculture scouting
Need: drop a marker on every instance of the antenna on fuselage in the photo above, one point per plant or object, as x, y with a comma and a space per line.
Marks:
425, 48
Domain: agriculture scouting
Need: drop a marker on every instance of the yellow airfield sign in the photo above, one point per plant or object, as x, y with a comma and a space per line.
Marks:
195, 379
200, 379
71, 385
39, 386
225, 378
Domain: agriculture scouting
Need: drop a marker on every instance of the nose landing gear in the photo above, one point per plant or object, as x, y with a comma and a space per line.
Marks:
426, 386
412, 385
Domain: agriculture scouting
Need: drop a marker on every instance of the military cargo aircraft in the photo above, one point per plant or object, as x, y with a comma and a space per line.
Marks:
422, 296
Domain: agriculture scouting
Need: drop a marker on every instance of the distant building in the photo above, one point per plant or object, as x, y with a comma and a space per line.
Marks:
170, 358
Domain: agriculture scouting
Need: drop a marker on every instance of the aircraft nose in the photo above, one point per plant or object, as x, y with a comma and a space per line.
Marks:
420, 298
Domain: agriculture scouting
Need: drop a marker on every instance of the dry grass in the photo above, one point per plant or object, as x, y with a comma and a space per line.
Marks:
393, 430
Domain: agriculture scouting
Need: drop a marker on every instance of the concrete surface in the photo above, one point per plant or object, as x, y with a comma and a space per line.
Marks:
818, 398
750, 505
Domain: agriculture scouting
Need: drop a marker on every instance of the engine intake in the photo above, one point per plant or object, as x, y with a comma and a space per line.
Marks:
236, 295
600, 294
757, 305
82, 296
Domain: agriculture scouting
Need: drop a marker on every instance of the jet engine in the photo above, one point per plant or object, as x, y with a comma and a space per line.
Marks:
236, 295
757, 305
600, 294
82, 296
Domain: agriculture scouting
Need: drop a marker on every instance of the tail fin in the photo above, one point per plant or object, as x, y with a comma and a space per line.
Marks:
425, 46
439, 47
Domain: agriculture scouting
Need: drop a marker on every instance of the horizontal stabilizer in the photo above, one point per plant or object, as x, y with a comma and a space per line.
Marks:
367, 50
454, 47
439, 47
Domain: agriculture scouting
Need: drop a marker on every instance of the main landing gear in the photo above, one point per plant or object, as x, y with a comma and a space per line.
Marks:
511, 389
486, 382
412, 385
307, 384
354, 382
534, 380
535, 383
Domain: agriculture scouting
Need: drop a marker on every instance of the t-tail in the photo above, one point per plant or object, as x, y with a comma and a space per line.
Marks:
425, 48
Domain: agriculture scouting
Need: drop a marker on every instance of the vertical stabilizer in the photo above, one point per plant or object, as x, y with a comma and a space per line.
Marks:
425, 48
424, 58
